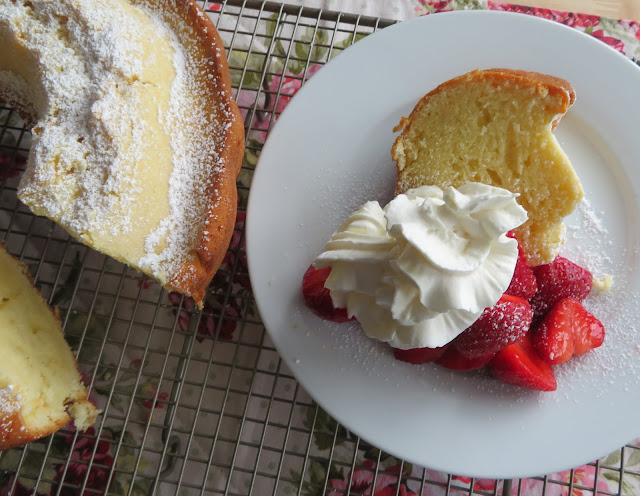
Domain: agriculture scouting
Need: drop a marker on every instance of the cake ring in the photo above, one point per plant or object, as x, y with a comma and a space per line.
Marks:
137, 141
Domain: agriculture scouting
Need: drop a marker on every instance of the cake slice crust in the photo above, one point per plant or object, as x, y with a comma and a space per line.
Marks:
496, 127
40, 386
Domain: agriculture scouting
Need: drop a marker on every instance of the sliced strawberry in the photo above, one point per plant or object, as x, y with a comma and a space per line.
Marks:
419, 355
499, 326
318, 298
558, 280
520, 365
453, 359
567, 330
523, 283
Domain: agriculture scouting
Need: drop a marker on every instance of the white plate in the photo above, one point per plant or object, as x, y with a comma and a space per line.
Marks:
330, 152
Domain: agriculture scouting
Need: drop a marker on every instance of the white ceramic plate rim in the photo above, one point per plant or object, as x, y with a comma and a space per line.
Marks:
311, 175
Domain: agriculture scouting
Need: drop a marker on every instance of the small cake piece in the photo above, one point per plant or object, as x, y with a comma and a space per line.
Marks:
137, 142
40, 386
495, 127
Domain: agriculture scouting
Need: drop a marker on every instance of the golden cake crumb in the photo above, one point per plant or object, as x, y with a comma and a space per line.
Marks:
495, 127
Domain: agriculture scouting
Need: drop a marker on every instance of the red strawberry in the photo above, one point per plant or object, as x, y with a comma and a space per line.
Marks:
419, 355
567, 330
558, 280
318, 298
520, 365
453, 359
523, 283
499, 326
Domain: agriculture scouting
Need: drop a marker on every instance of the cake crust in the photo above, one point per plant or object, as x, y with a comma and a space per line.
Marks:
557, 86
14, 433
14, 430
213, 240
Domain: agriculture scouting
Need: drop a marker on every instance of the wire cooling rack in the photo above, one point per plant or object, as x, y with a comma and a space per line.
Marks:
200, 402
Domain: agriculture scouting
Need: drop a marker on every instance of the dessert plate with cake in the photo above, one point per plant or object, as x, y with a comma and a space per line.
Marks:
480, 158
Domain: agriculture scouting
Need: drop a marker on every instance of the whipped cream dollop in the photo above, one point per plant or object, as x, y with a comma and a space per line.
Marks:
419, 271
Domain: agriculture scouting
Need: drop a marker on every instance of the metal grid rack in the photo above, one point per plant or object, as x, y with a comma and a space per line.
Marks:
200, 402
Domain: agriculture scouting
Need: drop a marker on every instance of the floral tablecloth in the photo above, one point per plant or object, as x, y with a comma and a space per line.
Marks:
149, 332
623, 35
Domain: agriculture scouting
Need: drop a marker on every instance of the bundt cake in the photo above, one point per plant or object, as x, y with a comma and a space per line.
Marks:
137, 141
40, 386
495, 127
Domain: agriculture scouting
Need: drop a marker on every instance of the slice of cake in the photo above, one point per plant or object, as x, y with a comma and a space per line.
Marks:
495, 127
40, 386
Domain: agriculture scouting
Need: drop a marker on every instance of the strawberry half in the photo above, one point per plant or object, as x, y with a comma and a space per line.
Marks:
558, 280
318, 298
567, 330
520, 365
453, 359
523, 283
419, 355
499, 326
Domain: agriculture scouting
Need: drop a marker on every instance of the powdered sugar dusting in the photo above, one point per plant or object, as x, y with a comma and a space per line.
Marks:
10, 407
589, 242
91, 85
176, 230
618, 308
197, 130
617, 360
84, 57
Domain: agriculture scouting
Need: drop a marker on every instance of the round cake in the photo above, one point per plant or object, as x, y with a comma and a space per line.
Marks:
40, 386
137, 142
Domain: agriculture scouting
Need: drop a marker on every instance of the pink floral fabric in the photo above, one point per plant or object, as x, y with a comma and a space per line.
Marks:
622, 35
